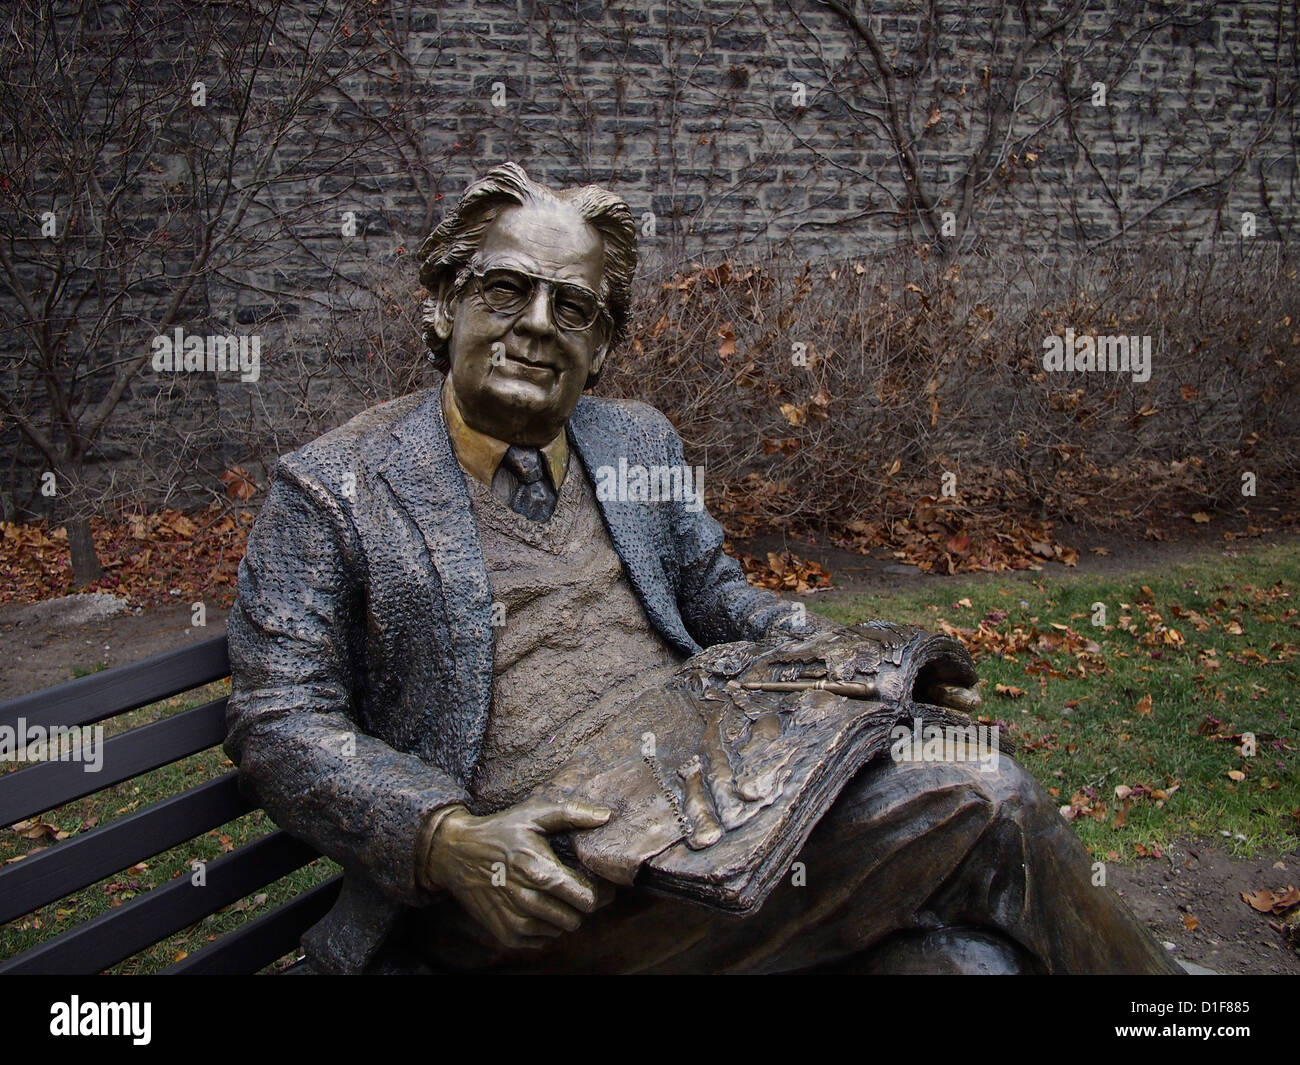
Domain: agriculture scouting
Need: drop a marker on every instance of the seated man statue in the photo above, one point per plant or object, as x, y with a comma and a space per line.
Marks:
435, 596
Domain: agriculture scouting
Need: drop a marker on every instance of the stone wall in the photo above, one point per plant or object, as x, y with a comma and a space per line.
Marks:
792, 128
740, 123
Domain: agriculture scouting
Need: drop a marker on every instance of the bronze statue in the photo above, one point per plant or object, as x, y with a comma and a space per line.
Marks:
437, 600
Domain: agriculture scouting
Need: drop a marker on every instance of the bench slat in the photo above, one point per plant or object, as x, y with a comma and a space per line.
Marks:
69, 866
258, 943
109, 938
115, 691
50, 784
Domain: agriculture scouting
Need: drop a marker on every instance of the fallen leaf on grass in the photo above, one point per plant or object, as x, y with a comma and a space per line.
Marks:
37, 829
253, 903
1143, 706
1009, 690
20, 857
1236, 774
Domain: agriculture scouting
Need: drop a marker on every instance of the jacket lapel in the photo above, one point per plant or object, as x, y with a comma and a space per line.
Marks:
639, 532
424, 475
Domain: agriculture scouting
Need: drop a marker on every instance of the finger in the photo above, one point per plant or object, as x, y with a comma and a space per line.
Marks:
548, 874
538, 870
547, 908
556, 817
523, 926
575, 889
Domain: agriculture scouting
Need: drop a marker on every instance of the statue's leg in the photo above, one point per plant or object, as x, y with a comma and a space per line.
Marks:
929, 849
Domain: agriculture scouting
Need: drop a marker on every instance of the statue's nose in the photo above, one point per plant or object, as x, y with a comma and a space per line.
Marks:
536, 317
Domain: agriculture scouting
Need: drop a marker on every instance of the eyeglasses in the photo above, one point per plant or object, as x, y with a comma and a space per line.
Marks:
507, 291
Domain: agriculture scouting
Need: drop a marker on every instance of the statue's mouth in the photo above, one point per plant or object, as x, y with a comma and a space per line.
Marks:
537, 368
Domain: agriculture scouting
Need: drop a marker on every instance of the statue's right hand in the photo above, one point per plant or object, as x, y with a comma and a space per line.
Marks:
502, 870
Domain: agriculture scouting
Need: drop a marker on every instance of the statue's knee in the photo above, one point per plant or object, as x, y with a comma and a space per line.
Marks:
1013, 785
1001, 782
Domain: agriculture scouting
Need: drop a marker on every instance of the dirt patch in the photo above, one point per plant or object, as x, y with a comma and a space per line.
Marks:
1197, 883
39, 651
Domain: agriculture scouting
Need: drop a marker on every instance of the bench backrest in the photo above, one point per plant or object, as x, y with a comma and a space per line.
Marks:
82, 859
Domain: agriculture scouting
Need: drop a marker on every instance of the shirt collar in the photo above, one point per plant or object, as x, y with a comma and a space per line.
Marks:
480, 454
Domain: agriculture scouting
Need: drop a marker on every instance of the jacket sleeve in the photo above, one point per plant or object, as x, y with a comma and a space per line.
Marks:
294, 637
716, 602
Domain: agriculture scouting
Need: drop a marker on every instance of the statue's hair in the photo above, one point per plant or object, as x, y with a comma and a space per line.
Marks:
445, 255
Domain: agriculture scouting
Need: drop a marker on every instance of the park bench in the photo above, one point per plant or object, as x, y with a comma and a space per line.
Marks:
89, 856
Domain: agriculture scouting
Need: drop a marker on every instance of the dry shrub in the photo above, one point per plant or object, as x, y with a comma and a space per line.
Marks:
913, 369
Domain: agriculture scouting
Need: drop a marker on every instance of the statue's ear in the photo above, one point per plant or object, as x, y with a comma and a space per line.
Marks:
442, 309
602, 349
598, 359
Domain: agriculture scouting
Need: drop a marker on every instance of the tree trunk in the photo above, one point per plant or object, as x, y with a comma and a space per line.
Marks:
81, 546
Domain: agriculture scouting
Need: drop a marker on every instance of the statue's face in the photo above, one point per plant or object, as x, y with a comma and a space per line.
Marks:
525, 394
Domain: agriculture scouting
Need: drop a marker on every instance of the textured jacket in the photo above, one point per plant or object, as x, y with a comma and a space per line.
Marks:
361, 641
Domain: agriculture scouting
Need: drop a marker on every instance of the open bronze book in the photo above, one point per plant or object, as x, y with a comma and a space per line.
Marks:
720, 769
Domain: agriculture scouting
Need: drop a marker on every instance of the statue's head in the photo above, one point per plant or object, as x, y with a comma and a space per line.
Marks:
529, 290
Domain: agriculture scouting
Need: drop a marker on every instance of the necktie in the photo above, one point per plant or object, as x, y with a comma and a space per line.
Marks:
534, 498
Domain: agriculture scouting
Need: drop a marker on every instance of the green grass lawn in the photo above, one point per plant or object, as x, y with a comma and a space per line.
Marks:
1154, 700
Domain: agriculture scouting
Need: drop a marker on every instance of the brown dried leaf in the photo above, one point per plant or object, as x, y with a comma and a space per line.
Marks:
728, 346
239, 483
